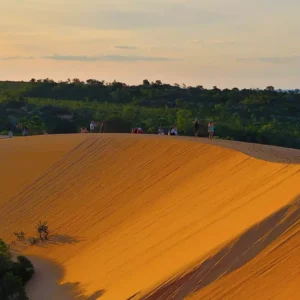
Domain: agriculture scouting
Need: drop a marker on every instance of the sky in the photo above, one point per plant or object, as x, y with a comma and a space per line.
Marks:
227, 43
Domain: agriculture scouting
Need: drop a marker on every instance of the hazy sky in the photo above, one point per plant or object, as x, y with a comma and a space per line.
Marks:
243, 43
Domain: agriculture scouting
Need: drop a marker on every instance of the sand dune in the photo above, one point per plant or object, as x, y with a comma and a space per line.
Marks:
127, 213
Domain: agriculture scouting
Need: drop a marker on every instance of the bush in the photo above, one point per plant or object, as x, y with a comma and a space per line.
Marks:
20, 235
43, 231
11, 287
117, 124
33, 240
4, 249
23, 269
13, 275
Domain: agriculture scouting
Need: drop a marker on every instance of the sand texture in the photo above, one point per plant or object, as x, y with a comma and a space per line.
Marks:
154, 217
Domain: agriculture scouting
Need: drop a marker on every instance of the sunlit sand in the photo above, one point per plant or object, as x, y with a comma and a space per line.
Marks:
152, 217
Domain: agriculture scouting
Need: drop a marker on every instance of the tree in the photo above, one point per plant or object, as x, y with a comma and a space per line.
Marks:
23, 269
146, 82
270, 88
76, 81
94, 82
13, 275
11, 287
4, 249
184, 120
129, 113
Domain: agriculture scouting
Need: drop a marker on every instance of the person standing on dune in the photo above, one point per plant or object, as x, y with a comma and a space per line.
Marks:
92, 127
102, 127
196, 127
211, 129
174, 130
25, 131
10, 133
139, 130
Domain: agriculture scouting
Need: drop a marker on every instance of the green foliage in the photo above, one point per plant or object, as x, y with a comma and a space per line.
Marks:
184, 121
23, 269
4, 249
117, 124
13, 275
11, 287
264, 116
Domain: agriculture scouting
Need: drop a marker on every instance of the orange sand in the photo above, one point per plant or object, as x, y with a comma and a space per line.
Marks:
128, 212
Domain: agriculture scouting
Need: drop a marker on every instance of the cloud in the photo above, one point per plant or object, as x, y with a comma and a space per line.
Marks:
15, 57
126, 47
85, 58
116, 58
273, 60
214, 42
220, 42
135, 17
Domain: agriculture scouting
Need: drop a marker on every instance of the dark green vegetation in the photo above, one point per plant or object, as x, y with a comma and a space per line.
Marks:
13, 274
261, 116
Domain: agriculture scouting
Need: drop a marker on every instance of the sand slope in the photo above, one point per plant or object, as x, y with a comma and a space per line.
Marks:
23, 160
128, 212
274, 273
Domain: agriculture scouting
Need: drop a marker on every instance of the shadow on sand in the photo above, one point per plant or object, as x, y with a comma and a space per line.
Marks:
59, 239
45, 283
17, 247
233, 256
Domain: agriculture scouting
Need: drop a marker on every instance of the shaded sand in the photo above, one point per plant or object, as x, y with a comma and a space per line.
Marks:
46, 282
129, 212
273, 274
268, 250
264, 152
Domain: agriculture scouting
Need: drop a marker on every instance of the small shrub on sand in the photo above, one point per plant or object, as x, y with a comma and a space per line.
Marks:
33, 240
42, 230
20, 235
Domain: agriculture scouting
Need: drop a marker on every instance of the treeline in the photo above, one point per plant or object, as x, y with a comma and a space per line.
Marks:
263, 116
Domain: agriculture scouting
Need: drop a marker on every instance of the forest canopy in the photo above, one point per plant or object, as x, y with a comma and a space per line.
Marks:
265, 116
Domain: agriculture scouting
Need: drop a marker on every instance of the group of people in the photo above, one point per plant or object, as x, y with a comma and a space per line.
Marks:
25, 132
137, 130
92, 128
210, 128
173, 130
